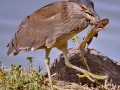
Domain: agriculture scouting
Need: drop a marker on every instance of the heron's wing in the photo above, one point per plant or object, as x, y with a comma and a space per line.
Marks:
31, 35
34, 30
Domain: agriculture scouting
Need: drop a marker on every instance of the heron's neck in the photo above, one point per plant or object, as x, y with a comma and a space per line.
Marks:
73, 17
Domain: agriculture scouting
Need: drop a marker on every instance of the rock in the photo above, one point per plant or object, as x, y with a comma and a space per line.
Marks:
97, 62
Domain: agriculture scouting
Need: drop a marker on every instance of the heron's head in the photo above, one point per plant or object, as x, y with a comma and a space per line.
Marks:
87, 6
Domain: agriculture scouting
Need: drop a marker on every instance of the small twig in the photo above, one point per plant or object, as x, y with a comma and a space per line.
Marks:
74, 39
85, 61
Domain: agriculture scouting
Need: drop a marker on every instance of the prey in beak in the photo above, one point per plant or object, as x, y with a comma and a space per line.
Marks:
90, 14
93, 32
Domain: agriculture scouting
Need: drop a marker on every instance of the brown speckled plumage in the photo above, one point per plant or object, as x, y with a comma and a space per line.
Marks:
49, 26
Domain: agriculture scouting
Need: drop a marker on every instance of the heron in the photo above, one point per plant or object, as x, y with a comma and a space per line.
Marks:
52, 26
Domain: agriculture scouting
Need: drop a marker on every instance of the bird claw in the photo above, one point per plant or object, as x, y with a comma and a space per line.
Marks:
91, 76
86, 75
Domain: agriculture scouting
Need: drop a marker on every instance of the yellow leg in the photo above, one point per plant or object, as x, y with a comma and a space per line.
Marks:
47, 63
87, 74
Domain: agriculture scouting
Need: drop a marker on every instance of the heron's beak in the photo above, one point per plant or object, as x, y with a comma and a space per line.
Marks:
93, 16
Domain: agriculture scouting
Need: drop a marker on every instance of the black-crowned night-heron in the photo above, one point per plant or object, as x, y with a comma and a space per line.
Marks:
52, 26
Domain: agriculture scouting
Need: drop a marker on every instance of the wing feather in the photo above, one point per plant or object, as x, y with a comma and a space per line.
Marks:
34, 30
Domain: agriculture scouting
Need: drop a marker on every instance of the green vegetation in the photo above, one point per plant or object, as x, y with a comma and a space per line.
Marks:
17, 78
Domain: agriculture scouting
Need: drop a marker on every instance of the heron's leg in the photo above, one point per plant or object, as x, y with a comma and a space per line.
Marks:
47, 63
87, 74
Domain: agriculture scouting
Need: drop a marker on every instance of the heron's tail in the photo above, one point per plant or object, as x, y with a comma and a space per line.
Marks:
11, 49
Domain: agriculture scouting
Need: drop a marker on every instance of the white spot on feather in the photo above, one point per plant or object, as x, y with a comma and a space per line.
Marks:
32, 49
11, 54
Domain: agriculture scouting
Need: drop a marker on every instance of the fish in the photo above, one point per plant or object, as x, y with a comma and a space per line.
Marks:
93, 32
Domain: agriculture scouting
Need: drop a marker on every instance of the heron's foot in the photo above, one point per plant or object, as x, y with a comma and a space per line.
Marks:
92, 77
54, 87
49, 84
86, 73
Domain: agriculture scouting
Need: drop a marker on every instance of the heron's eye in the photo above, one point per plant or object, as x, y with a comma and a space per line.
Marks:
83, 8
